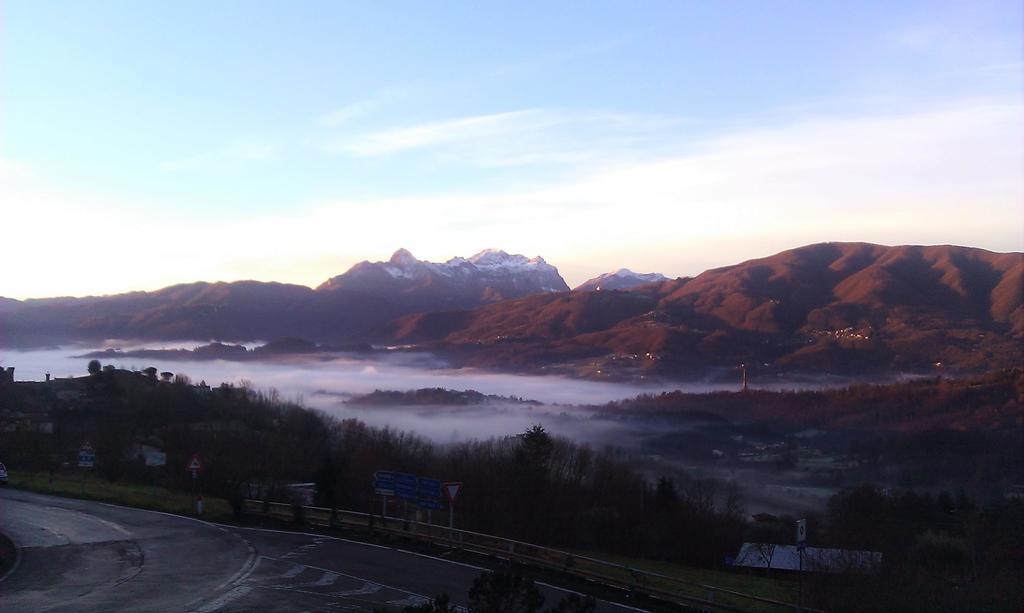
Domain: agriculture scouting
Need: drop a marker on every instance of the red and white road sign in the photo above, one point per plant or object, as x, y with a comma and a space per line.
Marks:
451, 489
194, 464
86, 446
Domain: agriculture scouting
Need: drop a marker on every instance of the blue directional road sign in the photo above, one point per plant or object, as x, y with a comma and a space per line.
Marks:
86, 459
430, 488
405, 486
429, 494
86, 456
384, 483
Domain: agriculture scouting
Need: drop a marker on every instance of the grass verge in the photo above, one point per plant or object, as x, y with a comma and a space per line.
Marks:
755, 585
90, 487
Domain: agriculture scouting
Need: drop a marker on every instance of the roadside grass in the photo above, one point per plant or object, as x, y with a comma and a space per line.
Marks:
90, 487
755, 585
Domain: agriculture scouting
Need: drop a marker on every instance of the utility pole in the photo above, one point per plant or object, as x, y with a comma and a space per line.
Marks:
801, 544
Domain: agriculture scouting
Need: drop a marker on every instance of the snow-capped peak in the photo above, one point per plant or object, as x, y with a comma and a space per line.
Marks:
402, 257
626, 273
622, 278
496, 258
511, 274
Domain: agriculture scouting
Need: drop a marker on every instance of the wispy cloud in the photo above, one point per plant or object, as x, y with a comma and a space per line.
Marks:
242, 151
462, 129
513, 138
347, 113
552, 59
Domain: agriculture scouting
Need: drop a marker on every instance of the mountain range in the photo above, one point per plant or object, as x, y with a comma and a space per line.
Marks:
354, 305
830, 307
488, 276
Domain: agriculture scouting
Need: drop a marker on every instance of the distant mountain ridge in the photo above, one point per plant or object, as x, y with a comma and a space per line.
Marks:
351, 306
831, 307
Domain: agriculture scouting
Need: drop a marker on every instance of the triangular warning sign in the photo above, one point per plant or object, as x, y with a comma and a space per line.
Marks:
452, 490
194, 464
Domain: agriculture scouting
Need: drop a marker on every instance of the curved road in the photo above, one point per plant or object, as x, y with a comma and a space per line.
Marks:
77, 555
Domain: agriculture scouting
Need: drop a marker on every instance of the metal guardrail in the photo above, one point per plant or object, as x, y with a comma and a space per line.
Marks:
664, 587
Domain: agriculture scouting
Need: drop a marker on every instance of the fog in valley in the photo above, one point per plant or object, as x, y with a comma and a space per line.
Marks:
328, 382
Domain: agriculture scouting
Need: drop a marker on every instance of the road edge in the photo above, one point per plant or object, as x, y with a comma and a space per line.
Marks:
10, 556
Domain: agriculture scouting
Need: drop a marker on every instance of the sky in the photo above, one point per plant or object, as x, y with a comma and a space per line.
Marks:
144, 144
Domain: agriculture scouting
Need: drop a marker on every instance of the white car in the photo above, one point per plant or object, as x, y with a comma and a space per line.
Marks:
3, 475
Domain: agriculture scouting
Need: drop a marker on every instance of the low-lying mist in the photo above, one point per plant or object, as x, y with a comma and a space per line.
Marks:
324, 382
566, 407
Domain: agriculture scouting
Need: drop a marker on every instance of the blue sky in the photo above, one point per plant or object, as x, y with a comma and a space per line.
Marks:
286, 141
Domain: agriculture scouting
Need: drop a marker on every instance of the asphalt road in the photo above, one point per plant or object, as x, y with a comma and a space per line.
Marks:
77, 555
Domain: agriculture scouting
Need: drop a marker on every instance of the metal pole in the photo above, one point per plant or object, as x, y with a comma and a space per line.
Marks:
194, 506
800, 584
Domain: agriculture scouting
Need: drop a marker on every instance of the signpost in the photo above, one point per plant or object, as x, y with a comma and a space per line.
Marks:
801, 544
429, 494
86, 459
451, 490
424, 492
384, 484
405, 486
155, 458
86, 456
195, 466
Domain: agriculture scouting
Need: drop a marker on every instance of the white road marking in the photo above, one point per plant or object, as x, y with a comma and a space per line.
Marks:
409, 601
245, 575
225, 599
246, 569
565, 589
327, 570
368, 588
327, 578
109, 524
310, 534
